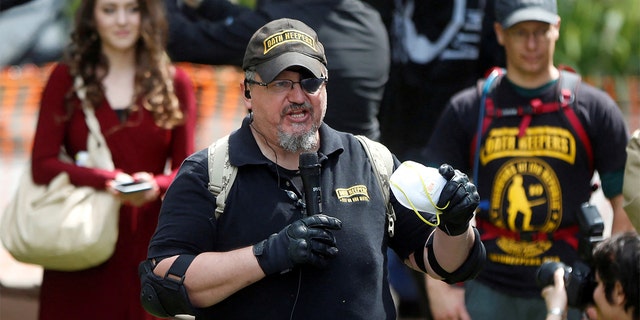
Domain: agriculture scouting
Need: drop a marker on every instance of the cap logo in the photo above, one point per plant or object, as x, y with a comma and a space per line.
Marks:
288, 36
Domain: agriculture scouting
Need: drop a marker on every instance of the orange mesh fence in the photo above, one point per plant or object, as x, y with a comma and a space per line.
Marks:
219, 101
217, 90
626, 92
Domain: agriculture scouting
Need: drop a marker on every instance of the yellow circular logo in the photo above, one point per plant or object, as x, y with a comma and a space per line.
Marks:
526, 197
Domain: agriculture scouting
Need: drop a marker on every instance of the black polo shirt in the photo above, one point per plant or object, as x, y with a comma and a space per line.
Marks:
353, 286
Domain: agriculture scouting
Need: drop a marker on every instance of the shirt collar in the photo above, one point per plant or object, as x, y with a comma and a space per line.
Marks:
243, 149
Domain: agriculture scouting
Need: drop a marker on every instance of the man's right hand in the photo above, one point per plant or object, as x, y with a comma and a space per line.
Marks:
305, 241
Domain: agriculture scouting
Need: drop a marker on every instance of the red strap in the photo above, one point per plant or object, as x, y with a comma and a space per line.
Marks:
535, 107
490, 111
582, 134
488, 231
524, 124
489, 114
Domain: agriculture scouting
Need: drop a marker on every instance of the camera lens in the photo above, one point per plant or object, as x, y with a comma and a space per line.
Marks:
544, 275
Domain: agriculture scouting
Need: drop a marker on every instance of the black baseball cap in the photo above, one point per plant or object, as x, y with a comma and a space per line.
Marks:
510, 12
284, 43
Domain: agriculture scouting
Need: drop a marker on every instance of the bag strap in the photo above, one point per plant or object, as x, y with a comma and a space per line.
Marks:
96, 143
485, 88
221, 173
569, 82
382, 162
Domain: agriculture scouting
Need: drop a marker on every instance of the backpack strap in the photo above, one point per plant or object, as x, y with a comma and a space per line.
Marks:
382, 163
485, 88
569, 82
221, 172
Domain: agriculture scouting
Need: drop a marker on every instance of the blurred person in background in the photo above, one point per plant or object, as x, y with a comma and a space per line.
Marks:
631, 187
146, 111
533, 140
437, 49
355, 39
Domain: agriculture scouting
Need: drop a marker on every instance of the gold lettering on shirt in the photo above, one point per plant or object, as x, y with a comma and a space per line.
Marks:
554, 142
353, 194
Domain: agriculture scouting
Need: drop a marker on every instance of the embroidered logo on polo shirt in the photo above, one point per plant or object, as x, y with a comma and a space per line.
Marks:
353, 194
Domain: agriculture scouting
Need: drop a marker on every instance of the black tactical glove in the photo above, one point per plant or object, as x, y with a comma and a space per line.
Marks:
459, 199
306, 241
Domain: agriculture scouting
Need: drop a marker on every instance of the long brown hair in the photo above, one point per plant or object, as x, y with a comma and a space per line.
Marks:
153, 74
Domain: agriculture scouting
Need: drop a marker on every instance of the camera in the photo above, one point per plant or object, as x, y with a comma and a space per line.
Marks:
579, 279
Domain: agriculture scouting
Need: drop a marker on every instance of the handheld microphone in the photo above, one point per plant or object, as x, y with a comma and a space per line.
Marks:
310, 173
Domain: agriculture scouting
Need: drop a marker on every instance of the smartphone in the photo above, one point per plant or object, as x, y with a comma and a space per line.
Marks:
131, 187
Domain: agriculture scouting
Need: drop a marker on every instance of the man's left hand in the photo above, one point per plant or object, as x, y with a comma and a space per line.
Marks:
458, 200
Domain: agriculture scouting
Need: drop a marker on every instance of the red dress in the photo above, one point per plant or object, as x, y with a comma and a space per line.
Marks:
111, 290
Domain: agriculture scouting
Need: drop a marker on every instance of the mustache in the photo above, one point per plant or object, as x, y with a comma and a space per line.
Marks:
296, 106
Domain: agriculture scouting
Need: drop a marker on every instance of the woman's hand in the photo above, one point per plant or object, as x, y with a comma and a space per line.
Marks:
135, 199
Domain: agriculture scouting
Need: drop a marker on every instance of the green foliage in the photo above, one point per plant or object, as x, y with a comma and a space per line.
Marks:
600, 37
247, 3
70, 9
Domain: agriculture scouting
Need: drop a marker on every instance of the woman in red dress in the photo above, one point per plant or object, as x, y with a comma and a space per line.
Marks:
147, 113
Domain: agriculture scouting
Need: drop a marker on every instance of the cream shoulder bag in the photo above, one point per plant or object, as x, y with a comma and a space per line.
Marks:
61, 226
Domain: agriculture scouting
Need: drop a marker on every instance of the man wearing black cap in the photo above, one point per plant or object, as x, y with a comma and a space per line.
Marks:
533, 138
265, 256
355, 39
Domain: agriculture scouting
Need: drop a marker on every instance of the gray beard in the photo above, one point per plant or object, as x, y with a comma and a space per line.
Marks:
300, 143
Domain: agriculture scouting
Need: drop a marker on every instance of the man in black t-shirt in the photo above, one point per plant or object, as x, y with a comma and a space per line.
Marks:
534, 161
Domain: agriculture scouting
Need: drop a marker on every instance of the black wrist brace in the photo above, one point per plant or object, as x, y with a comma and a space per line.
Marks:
469, 268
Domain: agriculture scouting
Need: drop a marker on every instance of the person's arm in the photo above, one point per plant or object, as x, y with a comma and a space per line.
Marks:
445, 301
609, 137
52, 126
621, 221
453, 251
631, 185
214, 276
555, 297
450, 251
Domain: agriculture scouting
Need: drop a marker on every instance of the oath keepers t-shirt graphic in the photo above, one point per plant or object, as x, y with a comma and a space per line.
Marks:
521, 174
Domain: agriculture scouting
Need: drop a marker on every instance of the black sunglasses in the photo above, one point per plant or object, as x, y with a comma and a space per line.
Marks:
309, 85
